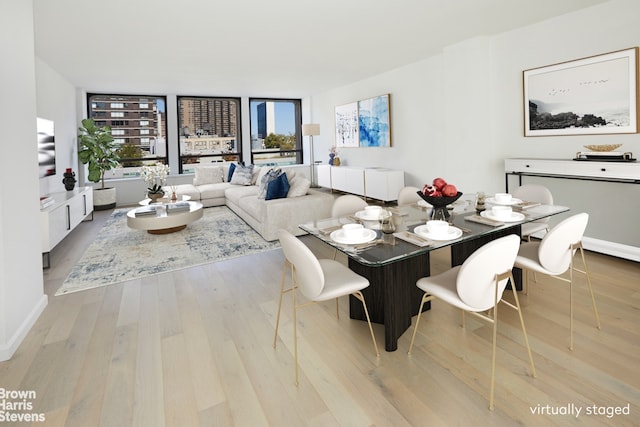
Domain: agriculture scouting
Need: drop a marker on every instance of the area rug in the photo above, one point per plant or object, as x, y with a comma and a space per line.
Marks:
120, 253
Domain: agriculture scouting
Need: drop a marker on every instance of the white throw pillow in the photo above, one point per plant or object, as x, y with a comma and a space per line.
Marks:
242, 175
208, 175
299, 187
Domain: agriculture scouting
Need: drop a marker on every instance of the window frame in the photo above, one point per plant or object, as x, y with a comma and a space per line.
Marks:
102, 117
299, 150
224, 157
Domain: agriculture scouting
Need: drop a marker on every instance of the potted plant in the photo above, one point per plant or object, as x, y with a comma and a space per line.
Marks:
155, 176
98, 151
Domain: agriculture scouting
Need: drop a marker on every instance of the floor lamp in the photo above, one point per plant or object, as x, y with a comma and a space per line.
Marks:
310, 130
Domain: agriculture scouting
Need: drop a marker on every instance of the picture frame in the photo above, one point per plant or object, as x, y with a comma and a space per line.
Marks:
347, 134
374, 124
588, 96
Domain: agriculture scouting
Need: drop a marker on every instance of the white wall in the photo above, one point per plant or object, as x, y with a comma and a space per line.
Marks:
22, 297
460, 113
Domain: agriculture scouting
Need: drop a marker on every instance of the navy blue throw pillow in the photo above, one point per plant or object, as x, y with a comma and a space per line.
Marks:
232, 167
278, 188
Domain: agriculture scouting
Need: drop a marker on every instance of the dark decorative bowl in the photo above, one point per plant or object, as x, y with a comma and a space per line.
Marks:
439, 204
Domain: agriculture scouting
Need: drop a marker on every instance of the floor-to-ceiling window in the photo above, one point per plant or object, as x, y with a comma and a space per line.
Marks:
276, 137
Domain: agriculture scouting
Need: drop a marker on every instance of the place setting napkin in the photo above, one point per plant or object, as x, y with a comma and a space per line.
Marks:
482, 220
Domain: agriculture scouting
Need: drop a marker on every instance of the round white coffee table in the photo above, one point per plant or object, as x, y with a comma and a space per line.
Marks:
163, 223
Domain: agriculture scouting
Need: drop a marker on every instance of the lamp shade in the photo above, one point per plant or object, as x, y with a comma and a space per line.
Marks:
311, 129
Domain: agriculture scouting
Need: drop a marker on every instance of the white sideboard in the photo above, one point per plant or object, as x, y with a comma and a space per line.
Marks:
69, 208
375, 183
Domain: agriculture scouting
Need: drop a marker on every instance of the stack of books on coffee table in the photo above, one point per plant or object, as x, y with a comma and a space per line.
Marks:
146, 211
178, 207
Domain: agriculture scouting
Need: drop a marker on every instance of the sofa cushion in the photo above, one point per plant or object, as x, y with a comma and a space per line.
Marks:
213, 191
278, 188
242, 175
207, 174
188, 190
236, 192
299, 187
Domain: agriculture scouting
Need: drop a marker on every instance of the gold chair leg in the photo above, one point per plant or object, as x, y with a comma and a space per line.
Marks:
493, 355
337, 309
359, 295
593, 299
524, 330
295, 322
284, 273
426, 297
571, 305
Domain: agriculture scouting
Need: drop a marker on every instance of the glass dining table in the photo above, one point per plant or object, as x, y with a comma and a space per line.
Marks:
394, 262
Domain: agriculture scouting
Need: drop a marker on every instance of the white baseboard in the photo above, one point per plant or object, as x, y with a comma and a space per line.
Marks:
7, 350
611, 248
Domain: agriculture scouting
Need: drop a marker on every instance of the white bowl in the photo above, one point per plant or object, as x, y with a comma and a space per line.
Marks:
353, 231
372, 210
502, 197
437, 227
501, 212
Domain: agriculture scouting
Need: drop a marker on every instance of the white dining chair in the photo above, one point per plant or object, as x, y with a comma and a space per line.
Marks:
408, 195
538, 194
347, 204
553, 256
317, 280
476, 287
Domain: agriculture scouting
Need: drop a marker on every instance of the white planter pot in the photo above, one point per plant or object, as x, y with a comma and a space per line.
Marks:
104, 199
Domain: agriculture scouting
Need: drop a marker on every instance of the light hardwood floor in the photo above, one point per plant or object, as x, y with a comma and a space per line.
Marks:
194, 347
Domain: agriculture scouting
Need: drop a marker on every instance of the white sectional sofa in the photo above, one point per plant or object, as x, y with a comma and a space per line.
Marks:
211, 187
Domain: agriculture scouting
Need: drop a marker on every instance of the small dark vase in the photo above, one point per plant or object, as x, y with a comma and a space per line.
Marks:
69, 179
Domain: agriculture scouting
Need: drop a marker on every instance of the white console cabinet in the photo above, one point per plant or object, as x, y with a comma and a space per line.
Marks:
375, 183
69, 208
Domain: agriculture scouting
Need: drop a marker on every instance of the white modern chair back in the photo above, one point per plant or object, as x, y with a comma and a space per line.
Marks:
310, 278
347, 204
408, 195
555, 252
477, 276
534, 193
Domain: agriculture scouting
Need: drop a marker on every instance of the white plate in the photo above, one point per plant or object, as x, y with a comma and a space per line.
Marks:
452, 233
339, 237
515, 216
513, 201
363, 215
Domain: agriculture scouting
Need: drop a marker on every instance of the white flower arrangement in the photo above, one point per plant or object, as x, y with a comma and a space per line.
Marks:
155, 176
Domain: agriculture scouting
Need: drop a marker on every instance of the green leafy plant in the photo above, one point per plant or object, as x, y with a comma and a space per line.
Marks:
97, 150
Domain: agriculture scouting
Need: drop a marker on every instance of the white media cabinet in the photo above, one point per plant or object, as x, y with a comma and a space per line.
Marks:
57, 220
375, 183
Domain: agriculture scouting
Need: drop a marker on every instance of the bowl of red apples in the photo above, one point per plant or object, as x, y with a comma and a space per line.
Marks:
439, 194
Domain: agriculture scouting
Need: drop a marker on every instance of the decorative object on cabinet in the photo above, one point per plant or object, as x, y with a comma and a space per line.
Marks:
374, 126
594, 95
69, 179
311, 130
347, 125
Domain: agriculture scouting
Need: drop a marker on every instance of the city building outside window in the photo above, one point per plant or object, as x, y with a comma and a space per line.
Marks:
139, 126
209, 131
276, 137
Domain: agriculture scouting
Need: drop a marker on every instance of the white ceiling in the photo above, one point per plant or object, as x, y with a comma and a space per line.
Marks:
276, 48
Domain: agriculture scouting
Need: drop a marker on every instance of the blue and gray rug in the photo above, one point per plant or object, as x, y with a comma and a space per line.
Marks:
120, 253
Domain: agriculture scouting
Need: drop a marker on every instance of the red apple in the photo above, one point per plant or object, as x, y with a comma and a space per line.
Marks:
437, 194
439, 183
429, 190
449, 190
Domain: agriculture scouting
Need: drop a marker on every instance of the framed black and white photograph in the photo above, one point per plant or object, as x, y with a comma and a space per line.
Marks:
594, 95
347, 134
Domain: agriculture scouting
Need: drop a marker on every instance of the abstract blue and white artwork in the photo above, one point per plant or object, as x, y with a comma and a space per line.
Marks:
374, 123
347, 125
